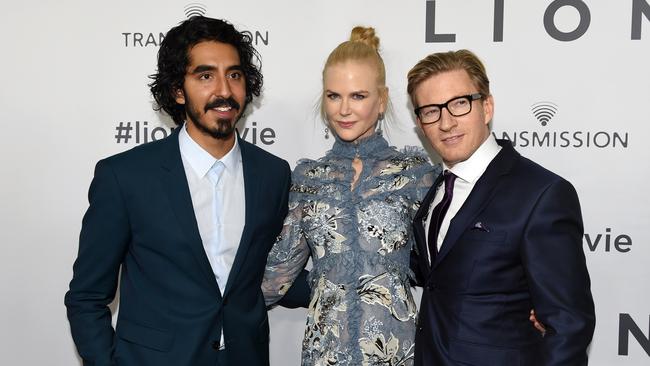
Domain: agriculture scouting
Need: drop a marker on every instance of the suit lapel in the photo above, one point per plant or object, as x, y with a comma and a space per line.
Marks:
478, 199
419, 224
252, 184
175, 185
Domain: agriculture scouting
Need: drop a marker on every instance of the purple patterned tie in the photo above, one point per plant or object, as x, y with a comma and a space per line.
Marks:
439, 212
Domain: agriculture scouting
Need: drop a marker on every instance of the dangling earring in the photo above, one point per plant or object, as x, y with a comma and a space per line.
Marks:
379, 123
327, 133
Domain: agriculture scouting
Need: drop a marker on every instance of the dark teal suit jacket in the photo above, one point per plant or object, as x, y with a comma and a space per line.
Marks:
514, 245
171, 310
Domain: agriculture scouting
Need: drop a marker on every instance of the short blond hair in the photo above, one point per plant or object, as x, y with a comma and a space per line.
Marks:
440, 62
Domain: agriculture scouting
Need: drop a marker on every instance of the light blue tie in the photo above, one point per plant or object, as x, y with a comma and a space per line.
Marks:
214, 174
215, 171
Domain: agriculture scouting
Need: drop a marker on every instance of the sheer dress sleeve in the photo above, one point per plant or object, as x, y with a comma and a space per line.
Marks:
289, 254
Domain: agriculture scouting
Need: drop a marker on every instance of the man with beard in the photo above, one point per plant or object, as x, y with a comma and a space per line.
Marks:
189, 220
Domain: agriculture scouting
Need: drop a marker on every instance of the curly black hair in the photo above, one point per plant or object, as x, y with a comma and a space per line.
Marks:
173, 60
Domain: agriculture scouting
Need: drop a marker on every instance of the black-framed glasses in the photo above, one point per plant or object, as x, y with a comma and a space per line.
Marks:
458, 106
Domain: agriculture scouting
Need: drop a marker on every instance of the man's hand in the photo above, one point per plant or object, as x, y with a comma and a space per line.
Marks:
539, 326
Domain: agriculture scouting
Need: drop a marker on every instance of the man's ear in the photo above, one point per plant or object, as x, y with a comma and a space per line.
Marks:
179, 96
488, 108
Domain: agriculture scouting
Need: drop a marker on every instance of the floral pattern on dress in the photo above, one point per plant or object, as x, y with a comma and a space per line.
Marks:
324, 324
323, 227
380, 352
372, 293
397, 182
378, 221
359, 238
301, 188
393, 296
319, 171
400, 164
380, 347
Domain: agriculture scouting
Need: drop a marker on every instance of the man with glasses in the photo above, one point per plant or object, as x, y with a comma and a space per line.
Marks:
497, 235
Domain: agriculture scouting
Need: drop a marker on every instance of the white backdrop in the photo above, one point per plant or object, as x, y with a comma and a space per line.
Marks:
73, 70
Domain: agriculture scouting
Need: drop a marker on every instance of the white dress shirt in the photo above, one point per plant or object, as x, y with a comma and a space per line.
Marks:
220, 235
467, 173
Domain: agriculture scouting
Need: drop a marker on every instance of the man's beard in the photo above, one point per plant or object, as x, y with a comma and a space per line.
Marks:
225, 127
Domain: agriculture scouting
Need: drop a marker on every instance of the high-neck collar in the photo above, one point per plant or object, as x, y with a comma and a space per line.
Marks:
371, 146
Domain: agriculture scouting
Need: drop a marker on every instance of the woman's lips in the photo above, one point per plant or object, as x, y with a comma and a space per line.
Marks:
345, 124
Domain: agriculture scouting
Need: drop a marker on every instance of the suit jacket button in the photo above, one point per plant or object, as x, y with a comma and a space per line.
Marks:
215, 345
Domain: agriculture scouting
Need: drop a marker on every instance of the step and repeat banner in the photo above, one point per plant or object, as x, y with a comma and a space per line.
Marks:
570, 78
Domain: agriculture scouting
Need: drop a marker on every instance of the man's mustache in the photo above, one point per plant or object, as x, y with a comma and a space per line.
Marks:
223, 102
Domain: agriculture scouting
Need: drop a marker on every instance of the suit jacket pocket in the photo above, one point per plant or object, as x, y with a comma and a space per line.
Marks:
480, 354
157, 339
485, 236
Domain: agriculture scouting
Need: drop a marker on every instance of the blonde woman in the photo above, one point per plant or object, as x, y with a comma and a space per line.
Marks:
351, 211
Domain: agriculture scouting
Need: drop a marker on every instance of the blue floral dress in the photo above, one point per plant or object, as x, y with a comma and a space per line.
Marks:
359, 238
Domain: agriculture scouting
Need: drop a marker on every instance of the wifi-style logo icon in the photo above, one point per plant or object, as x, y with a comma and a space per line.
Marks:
195, 9
544, 111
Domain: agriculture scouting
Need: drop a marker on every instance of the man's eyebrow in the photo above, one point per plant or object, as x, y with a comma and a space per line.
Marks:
235, 67
203, 68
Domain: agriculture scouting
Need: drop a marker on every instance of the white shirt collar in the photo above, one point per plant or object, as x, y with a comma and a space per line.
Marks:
200, 160
471, 169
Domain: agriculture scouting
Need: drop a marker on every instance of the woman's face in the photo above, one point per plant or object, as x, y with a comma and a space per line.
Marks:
352, 99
